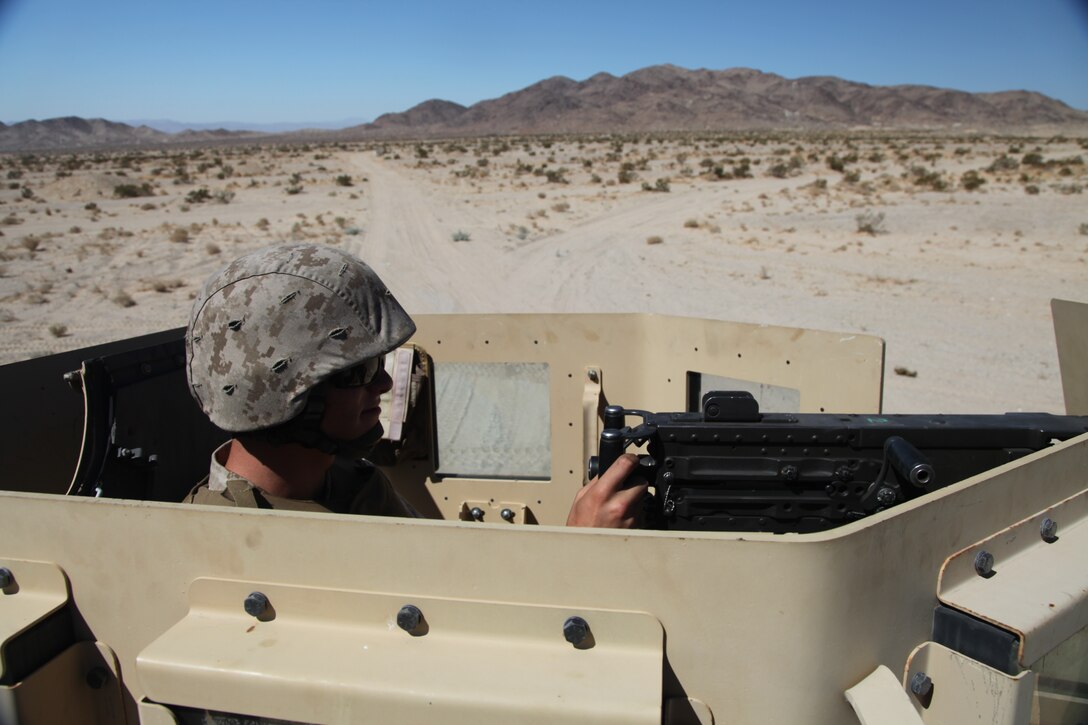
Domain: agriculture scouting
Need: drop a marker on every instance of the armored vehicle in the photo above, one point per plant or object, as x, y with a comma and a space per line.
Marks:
796, 566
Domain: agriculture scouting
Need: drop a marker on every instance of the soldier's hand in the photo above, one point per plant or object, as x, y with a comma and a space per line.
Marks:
606, 502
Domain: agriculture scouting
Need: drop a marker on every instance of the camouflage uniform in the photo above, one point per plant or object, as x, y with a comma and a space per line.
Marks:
351, 487
265, 332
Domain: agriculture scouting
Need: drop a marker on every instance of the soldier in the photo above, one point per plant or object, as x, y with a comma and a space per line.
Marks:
286, 351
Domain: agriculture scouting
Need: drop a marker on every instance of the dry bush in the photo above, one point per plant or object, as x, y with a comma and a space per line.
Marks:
654, 240
165, 285
124, 299
58, 330
691, 223
180, 235
870, 222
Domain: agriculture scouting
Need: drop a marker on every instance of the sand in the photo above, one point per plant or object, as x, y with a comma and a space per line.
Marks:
854, 234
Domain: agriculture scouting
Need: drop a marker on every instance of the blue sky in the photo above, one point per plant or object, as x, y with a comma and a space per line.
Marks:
325, 60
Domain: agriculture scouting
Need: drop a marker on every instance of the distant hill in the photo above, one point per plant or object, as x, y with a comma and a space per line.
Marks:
669, 98
73, 133
169, 126
658, 98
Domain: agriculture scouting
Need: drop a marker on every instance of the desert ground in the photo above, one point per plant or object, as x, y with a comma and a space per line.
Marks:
950, 247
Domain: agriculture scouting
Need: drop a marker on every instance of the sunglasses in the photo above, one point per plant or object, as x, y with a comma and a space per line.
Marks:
359, 375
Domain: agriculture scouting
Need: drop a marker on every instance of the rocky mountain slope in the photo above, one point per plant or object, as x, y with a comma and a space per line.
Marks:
668, 98
658, 98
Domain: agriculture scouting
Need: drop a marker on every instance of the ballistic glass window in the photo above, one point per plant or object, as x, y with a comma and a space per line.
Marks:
1061, 691
493, 420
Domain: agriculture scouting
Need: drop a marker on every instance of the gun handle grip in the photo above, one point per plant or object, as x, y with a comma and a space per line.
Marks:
611, 448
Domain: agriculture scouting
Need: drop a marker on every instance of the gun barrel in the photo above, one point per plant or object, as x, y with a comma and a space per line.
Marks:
909, 462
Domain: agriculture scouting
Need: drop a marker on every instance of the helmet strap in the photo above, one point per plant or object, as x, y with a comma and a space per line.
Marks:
305, 430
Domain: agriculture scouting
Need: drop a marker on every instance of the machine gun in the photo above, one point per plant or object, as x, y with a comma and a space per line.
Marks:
732, 468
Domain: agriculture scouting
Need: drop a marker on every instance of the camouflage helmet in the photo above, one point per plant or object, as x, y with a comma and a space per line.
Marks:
270, 326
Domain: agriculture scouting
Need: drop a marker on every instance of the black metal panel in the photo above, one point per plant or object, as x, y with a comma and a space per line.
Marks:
42, 425
979, 640
145, 437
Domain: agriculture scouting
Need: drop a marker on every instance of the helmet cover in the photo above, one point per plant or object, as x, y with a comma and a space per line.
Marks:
271, 325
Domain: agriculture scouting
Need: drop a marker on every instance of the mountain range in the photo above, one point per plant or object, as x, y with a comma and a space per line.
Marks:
657, 98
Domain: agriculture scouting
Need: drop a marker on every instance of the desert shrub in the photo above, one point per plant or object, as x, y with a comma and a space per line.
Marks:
1004, 162
626, 173
1031, 189
870, 222
561, 206
124, 299
852, 177
971, 180
212, 248
15, 174
1033, 159
1083, 228
661, 185
91, 206
223, 196
779, 171
556, 176
180, 235
926, 177
742, 170
198, 196
11, 220
654, 240
262, 224
460, 236
58, 330
344, 180
131, 191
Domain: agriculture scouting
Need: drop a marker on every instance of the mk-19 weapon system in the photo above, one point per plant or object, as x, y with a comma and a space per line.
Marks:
732, 468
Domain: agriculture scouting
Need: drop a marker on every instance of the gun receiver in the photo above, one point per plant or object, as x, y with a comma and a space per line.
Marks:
732, 468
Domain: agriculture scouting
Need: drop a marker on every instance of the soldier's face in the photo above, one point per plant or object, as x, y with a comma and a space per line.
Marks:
351, 412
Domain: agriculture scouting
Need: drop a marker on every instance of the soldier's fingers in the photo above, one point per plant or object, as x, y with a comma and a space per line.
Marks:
612, 479
631, 498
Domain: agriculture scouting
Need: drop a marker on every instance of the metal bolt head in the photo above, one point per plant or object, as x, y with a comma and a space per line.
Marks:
6, 577
507, 514
409, 617
1049, 530
594, 376
886, 496
476, 513
96, 678
921, 685
575, 630
789, 472
984, 563
256, 604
